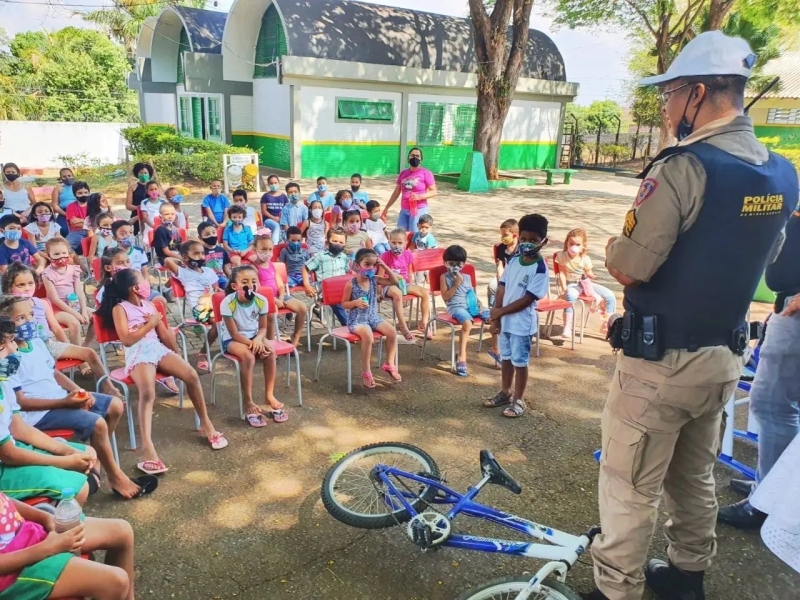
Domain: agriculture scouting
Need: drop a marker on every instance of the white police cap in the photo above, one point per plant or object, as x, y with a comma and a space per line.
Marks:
710, 53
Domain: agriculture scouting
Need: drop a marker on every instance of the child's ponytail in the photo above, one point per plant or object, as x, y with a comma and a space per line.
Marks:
115, 291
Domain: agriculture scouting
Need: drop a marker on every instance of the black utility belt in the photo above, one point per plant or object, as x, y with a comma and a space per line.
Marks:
648, 337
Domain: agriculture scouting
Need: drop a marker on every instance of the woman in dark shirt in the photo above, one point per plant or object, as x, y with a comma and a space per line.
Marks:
272, 204
137, 192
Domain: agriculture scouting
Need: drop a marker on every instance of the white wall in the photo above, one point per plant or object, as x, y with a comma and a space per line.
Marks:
318, 116
160, 109
241, 114
530, 121
270, 107
38, 144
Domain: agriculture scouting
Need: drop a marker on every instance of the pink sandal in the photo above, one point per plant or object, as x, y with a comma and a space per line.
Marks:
152, 467
217, 441
368, 379
392, 371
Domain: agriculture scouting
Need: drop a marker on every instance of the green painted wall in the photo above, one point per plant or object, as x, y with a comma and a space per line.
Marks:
273, 152
513, 157
788, 135
342, 160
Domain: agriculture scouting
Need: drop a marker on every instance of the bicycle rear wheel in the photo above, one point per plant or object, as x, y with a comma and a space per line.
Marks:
353, 497
507, 588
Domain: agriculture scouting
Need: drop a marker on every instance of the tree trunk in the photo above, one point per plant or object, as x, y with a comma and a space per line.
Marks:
492, 112
717, 11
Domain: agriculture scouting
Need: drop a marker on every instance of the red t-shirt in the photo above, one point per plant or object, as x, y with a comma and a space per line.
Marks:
76, 211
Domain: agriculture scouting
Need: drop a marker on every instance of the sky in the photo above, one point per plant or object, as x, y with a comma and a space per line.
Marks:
594, 59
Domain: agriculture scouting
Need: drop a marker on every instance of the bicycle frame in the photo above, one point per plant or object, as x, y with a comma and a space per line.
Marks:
562, 550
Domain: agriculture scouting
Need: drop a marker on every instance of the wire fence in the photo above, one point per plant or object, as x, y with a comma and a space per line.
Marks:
611, 150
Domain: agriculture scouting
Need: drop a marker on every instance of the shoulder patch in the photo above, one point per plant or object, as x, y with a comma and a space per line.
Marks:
646, 189
630, 223
541, 267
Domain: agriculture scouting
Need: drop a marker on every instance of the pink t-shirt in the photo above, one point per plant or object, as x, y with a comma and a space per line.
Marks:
266, 276
416, 182
399, 263
139, 315
65, 282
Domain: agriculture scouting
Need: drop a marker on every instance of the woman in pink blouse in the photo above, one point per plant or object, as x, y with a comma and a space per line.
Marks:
415, 186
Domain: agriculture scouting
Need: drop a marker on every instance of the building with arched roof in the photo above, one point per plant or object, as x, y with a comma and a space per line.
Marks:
328, 87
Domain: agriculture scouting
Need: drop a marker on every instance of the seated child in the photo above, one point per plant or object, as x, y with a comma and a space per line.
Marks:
175, 198
31, 463
37, 563
576, 266
243, 333
216, 257
123, 233
96, 205
295, 213
376, 228
102, 237
400, 261
268, 277
237, 237
150, 208
42, 225
343, 202
423, 238
15, 248
62, 284
21, 280
167, 236
315, 229
50, 400
240, 199
76, 216
215, 205
150, 348
332, 262
524, 282
360, 300
458, 293
360, 196
199, 282
294, 256
357, 238
321, 193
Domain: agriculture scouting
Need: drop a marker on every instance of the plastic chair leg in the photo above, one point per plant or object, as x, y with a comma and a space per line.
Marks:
114, 447
239, 381
319, 356
480, 337
584, 318
349, 367
128, 409
299, 378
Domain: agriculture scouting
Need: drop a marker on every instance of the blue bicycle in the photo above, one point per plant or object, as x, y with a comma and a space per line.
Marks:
381, 485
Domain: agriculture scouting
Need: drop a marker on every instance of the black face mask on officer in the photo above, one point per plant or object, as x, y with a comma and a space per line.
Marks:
685, 128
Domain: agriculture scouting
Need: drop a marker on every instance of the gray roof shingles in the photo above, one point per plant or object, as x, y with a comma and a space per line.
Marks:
204, 28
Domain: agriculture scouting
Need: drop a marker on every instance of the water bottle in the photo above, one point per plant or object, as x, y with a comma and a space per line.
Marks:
72, 300
401, 282
68, 512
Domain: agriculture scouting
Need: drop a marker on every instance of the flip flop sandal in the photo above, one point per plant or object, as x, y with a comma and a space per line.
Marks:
369, 381
280, 416
217, 441
202, 363
461, 369
515, 410
429, 335
147, 485
406, 338
495, 357
152, 467
499, 399
392, 371
256, 420
93, 478
163, 384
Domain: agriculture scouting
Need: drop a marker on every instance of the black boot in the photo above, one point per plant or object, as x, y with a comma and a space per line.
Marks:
594, 595
670, 583
742, 486
741, 515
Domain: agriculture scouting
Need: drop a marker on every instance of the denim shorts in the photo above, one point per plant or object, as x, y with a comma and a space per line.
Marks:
81, 421
462, 314
516, 348
294, 279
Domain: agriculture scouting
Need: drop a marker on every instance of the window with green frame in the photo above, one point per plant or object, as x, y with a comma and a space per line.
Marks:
365, 110
183, 46
430, 118
271, 44
185, 120
465, 120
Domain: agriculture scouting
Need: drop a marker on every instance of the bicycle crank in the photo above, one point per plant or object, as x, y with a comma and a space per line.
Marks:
428, 529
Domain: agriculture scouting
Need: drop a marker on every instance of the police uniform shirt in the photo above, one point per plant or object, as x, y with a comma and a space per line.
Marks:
668, 204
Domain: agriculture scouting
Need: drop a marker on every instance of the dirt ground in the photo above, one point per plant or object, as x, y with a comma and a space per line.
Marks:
248, 523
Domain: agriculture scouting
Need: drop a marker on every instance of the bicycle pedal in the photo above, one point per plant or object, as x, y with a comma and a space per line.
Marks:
421, 535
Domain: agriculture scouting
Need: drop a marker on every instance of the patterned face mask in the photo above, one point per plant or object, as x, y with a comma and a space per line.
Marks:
9, 366
27, 331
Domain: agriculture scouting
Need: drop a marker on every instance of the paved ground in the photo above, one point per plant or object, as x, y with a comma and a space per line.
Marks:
248, 523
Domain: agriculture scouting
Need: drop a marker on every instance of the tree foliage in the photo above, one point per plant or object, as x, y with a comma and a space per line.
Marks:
68, 75
124, 20
602, 114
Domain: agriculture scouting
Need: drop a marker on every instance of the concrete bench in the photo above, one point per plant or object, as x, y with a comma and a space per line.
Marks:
566, 172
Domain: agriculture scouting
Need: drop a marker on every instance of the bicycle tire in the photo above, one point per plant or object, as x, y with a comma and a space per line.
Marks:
501, 589
378, 521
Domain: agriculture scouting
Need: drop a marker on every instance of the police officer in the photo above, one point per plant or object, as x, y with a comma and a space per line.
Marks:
706, 221
775, 394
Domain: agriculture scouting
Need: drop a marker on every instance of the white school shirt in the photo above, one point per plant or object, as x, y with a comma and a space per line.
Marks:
195, 284
36, 378
8, 406
244, 315
519, 280
376, 230
250, 219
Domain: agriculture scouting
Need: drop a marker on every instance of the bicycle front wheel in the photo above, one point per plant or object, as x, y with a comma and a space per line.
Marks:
507, 588
351, 495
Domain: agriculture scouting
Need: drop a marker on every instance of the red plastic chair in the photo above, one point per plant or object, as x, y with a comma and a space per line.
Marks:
582, 299
107, 337
332, 290
444, 317
97, 270
280, 269
27, 235
179, 293
86, 244
279, 347
276, 250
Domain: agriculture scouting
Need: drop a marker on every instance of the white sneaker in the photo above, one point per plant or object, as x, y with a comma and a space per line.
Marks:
567, 334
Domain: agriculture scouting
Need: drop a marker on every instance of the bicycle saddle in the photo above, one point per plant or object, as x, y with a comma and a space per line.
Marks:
497, 474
